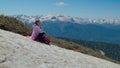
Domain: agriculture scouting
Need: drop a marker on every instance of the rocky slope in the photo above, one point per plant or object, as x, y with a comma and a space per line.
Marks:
17, 51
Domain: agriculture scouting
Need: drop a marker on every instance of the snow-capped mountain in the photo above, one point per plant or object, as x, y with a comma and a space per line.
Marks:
101, 30
65, 18
17, 51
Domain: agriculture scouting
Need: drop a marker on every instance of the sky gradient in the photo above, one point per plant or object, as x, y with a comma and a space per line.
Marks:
107, 9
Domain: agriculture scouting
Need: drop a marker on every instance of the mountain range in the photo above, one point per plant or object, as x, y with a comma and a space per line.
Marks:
102, 30
65, 18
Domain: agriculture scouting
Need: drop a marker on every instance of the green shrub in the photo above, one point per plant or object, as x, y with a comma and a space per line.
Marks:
14, 25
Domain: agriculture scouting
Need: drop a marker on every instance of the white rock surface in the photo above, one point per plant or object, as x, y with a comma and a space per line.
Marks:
17, 51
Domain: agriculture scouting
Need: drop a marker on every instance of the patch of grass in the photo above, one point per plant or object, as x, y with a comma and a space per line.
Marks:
73, 46
14, 25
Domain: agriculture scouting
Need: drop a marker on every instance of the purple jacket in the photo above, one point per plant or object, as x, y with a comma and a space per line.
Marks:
36, 30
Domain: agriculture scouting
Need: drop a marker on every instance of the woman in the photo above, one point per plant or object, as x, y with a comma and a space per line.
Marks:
38, 34
37, 29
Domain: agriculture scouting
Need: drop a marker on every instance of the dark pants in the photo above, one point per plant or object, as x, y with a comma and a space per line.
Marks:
41, 36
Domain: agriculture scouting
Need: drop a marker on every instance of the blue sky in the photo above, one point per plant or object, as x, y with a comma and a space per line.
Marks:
75, 8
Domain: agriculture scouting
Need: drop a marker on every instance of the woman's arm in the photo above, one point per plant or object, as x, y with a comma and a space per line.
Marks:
39, 29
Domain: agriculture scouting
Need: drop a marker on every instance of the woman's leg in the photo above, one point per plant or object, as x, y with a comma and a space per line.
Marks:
41, 36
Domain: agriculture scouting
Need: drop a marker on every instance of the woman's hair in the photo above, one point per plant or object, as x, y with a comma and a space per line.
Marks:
37, 21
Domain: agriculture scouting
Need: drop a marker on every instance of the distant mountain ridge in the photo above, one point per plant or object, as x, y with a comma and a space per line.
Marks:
65, 18
101, 30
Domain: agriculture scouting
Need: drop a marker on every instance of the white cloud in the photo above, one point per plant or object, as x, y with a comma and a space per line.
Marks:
61, 4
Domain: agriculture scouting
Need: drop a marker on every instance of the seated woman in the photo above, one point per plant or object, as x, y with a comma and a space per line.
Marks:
38, 34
